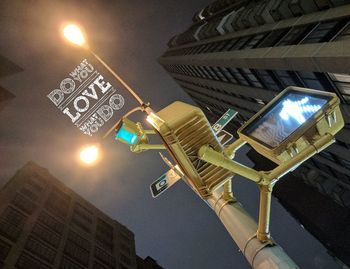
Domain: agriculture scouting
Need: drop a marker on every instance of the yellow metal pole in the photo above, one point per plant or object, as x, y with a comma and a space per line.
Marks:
263, 233
228, 194
231, 149
206, 153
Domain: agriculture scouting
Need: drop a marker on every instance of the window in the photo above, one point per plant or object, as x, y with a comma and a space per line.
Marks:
341, 176
272, 38
82, 217
269, 80
344, 34
286, 78
46, 235
36, 183
346, 163
321, 33
51, 222
78, 222
228, 75
32, 189
79, 241
23, 203
222, 45
98, 266
253, 80
240, 43
124, 259
254, 42
104, 235
66, 263
40, 250
126, 248
238, 76
230, 44
342, 82
29, 193
295, 35
26, 261
77, 253
58, 203
11, 223
220, 74
310, 80
4, 250
212, 72
104, 257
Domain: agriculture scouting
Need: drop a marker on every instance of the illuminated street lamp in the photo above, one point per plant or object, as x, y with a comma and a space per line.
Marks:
89, 154
74, 35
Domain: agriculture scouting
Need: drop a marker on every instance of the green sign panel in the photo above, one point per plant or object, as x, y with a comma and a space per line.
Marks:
224, 120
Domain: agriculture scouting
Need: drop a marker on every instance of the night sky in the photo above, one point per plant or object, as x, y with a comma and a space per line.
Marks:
177, 229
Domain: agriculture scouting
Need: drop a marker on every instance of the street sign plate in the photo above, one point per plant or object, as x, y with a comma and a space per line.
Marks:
224, 137
164, 182
224, 120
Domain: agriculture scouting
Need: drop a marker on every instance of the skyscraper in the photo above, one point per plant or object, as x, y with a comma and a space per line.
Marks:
44, 224
241, 54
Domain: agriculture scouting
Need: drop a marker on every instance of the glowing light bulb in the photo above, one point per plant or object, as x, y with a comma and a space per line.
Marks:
74, 35
89, 155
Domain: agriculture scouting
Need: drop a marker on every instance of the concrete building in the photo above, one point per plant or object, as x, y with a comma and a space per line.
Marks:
240, 54
7, 68
44, 224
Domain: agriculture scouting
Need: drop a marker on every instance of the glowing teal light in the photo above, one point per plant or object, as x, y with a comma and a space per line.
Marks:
126, 136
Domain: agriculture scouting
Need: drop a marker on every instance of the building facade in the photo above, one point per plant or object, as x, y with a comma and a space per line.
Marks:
44, 224
7, 68
241, 54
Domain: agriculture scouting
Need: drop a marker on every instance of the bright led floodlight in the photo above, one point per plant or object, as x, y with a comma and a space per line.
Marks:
288, 117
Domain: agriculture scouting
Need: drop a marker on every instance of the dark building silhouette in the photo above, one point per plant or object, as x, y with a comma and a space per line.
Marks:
7, 68
147, 263
44, 224
241, 54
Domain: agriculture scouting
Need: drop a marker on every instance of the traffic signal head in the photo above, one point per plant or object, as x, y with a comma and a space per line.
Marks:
291, 121
128, 132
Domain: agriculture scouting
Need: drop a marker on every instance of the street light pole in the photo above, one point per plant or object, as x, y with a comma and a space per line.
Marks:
242, 228
75, 36
117, 77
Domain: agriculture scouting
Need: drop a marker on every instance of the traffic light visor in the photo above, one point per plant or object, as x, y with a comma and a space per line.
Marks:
284, 117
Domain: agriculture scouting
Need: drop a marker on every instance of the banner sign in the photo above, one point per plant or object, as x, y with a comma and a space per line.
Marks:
88, 99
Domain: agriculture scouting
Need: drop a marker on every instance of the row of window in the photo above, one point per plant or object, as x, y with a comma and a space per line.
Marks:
77, 253
32, 188
26, 261
304, 34
330, 171
23, 203
46, 235
41, 250
11, 223
274, 80
4, 250
228, 102
337, 159
104, 257
58, 203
